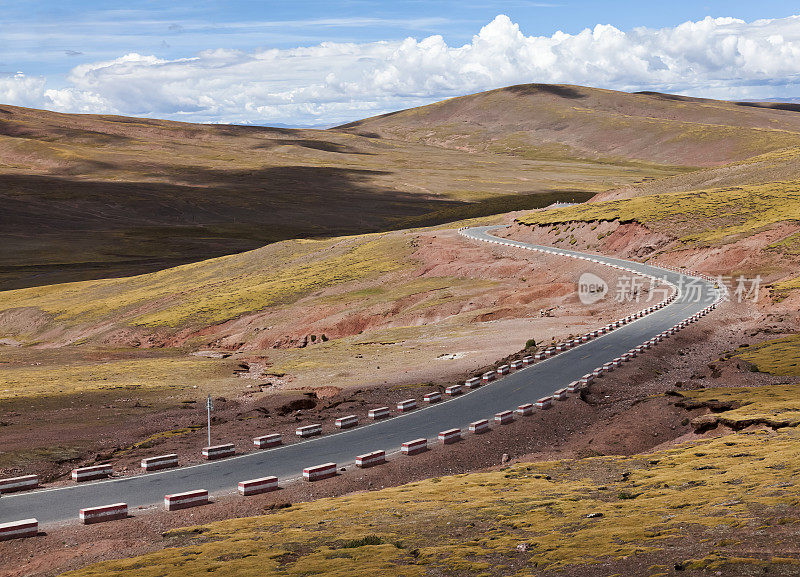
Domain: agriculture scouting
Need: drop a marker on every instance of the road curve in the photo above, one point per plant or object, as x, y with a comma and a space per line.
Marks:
286, 462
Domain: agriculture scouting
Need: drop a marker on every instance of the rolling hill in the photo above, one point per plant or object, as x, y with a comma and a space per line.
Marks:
99, 196
543, 121
88, 196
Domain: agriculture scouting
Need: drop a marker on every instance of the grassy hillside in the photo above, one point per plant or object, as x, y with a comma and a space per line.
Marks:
692, 507
88, 196
219, 289
550, 121
708, 216
776, 356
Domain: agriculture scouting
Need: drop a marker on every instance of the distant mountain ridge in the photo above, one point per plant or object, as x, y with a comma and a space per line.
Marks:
541, 121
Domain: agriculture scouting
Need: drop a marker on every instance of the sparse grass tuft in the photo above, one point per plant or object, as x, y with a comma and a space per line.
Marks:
776, 356
774, 405
142, 375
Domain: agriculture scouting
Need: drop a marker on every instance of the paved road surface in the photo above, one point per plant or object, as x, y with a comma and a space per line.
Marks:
524, 386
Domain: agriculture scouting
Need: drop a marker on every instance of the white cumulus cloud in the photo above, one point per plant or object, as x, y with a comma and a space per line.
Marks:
334, 82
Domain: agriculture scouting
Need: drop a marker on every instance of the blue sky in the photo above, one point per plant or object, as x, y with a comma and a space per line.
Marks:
84, 56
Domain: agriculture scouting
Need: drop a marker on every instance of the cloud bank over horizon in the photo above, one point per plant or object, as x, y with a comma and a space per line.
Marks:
334, 82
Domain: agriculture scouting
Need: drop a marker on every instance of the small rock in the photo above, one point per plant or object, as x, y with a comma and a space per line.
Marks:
504, 459
594, 515
522, 547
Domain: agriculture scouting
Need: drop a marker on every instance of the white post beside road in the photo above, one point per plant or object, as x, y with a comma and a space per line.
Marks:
209, 406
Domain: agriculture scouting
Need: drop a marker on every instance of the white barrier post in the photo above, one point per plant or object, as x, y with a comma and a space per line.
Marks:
113, 512
185, 500
309, 430
91, 473
13, 484
450, 436
414, 447
267, 441
257, 486
319, 472
19, 529
219, 451
371, 459
160, 462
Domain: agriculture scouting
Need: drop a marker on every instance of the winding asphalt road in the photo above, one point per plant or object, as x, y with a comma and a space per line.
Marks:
286, 462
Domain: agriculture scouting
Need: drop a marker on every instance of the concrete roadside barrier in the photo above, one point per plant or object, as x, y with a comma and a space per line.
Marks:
527, 360
474, 382
379, 413
319, 472
540, 356
160, 462
516, 365
504, 417
574, 387
503, 370
560, 394
257, 486
544, 403
19, 529
309, 430
371, 459
587, 379
267, 441
185, 500
14, 484
91, 473
219, 451
478, 427
453, 390
346, 422
488, 376
406, 406
432, 397
450, 436
414, 447
105, 513
524, 410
